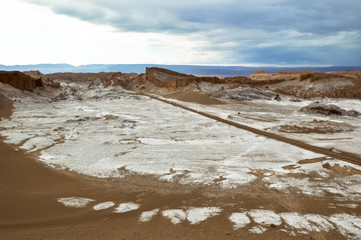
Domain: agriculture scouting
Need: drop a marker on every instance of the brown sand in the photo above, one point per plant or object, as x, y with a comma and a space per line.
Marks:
29, 207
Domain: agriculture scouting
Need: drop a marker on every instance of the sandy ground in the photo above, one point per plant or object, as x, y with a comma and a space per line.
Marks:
30, 210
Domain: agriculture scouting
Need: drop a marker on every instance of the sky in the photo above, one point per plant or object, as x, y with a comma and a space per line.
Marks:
204, 32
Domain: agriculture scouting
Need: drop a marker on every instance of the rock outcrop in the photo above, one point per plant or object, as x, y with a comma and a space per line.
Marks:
246, 94
126, 80
78, 77
161, 77
328, 109
308, 84
20, 80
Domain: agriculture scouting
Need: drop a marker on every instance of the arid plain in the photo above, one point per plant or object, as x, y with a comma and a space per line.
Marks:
165, 155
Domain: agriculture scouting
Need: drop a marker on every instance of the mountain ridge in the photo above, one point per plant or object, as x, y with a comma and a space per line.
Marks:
187, 69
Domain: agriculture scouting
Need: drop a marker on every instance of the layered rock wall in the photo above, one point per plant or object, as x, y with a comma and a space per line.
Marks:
169, 79
20, 80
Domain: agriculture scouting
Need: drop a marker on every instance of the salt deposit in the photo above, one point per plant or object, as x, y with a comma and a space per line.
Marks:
75, 202
102, 133
197, 215
175, 215
258, 230
239, 220
265, 217
126, 207
148, 215
198, 151
103, 205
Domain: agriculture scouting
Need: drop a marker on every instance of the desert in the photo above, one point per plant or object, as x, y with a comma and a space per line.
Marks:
167, 155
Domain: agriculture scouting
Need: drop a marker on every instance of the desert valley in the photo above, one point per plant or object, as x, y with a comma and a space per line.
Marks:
166, 155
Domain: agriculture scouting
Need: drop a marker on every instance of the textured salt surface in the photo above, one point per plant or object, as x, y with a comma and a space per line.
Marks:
265, 217
175, 215
239, 220
126, 207
76, 202
197, 215
148, 215
258, 230
102, 135
347, 225
267, 115
103, 205
200, 150
296, 221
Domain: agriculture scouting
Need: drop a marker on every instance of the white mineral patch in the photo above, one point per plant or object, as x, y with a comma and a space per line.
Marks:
239, 220
175, 215
126, 207
148, 215
258, 230
296, 221
319, 223
348, 205
75, 202
37, 143
103, 205
265, 217
348, 225
197, 215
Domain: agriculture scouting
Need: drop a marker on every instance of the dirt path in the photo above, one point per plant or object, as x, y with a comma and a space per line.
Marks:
341, 155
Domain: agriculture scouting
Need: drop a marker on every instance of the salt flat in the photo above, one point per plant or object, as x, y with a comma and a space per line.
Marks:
113, 133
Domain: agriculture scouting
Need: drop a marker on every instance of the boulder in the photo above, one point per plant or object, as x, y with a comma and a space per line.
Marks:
328, 109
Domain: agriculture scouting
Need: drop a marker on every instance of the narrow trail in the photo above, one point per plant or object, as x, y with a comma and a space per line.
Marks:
341, 155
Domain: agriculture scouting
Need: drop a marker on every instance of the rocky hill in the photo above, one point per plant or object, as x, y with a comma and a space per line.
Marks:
308, 84
170, 79
301, 84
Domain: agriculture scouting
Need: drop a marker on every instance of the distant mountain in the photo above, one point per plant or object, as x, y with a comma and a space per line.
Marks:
188, 69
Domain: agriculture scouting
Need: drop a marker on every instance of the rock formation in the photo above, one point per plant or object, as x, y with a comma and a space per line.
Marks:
328, 109
246, 94
308, 84
126, 80
20, 80
161, 77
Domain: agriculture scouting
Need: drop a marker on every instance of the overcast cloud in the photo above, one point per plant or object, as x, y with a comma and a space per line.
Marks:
323, 32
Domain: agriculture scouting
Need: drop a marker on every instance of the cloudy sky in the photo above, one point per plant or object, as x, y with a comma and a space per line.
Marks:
220, 32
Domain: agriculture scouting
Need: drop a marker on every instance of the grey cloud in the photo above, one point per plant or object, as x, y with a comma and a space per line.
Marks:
83, 14
238, 21
273, 15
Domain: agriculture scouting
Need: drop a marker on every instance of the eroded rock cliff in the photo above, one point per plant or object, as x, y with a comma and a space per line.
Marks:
20, 80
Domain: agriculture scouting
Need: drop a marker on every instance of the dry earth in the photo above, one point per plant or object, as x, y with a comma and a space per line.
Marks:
30, 193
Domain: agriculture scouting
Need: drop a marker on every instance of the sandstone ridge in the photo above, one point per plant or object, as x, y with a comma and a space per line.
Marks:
20, 80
